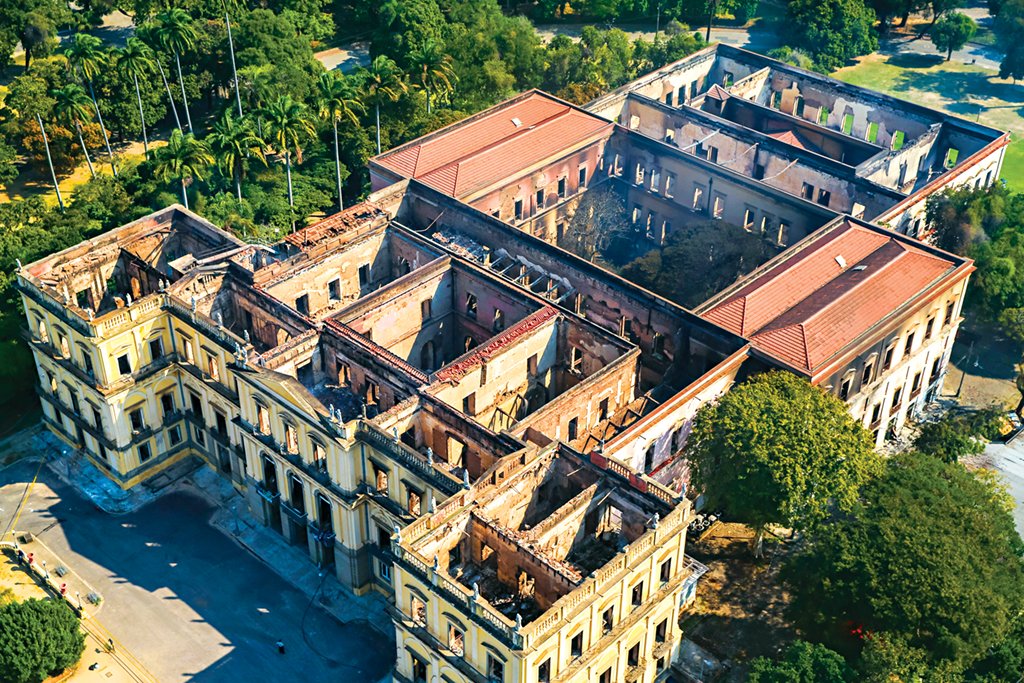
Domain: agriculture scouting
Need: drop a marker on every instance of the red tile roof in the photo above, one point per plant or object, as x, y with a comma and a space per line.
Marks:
811, 306
477, 153
793, 138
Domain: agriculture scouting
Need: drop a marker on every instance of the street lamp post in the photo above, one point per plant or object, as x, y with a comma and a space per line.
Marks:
46, 571
79, 596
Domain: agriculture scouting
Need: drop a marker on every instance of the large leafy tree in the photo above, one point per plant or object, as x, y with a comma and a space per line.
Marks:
183, 158
832, 31
33, 23
37, 639
929, 556
288, 125
233, 141
952, 32
337, 101
802, 662
776, 449
88, 58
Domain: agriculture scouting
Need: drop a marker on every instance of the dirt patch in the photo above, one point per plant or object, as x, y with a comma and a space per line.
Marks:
740, 609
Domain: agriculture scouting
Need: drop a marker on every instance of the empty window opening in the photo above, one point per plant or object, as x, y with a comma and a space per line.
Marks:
544, 671
698, 196
872, 135
665, 571
364, 274
633, 656
302, 304
844, 388
582, 177
887, 359
499, 320
518, 209
602, 409
539, 199
637, 595
455, 640
137, 420
334, 289
124, 366
561, 187
425, 308
156, 348
573, 429
576, 645
824, 197
898, 138
847, 126
263, 418
413, 502
575, 359
471, 305
719, 207
748, 220
951, 156
608, 619
823, 113
495, 668
661, 631
380, 478
808, 191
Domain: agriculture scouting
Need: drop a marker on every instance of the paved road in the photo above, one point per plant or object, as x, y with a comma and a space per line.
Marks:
184, 598
1009, 461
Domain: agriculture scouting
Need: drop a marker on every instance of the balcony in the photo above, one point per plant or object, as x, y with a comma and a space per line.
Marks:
295, 512
324, 535
636, 671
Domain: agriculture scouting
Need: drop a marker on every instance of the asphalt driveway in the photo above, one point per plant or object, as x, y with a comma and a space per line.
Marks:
184, 598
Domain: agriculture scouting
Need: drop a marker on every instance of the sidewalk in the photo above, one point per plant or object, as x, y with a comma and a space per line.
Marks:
112, 665
234, 519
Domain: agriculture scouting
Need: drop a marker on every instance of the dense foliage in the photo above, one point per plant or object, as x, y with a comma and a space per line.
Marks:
802, 662
959, 434
988, 226
776, 449
928, 562
832, 31
38, 638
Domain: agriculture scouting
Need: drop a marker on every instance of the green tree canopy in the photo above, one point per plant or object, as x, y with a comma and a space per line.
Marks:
802, 662
929, 556
832, 31
952, 32
37, 639
957, 435
776, 449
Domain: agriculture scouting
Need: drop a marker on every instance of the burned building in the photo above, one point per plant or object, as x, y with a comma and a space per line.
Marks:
432, 397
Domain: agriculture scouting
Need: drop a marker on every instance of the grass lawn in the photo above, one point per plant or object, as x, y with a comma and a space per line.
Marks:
965, 90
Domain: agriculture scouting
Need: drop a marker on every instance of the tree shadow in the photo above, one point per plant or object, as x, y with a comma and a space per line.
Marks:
914, 60
957, 86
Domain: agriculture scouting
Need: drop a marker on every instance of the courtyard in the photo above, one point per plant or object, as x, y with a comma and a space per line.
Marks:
183, 597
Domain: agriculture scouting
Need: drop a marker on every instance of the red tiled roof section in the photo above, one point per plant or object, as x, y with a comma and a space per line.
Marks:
478, 153
793, 138
810, 307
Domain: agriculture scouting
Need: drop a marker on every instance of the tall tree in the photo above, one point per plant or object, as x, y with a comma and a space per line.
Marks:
88, 58
337, 101
183, 158
232, 141
49, 160
72, 106
1009, 29
432, 70
382, 82
288, 125
34, 24
135, 60
929, 556
952, 32
175, 31
776, 449
147, 33
832, 31
256, 86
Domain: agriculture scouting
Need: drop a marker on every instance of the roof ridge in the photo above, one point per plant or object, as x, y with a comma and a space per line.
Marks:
506, 140
856, 286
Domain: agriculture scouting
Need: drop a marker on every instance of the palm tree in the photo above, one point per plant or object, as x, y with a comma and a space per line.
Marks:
432, 69
383, 83
183, 158
287, 124
136, 59
72, 106
49, 160
147, 33
336, 100
256, 86
232, 141
87, 57
177, 34
234, 69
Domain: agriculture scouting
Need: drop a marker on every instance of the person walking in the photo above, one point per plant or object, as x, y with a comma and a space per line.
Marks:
280, 647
